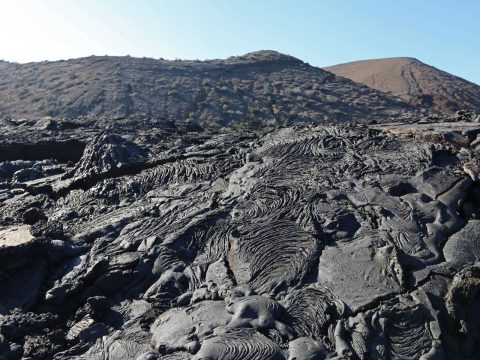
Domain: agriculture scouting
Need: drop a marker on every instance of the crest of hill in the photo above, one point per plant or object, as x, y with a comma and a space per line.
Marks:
263, 87
414, 81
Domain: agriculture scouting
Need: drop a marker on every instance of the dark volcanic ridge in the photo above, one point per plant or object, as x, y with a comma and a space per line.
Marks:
259, 88
415, 82
303, 242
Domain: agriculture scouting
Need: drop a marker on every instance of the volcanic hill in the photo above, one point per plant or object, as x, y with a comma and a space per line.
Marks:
415, 82
263, 87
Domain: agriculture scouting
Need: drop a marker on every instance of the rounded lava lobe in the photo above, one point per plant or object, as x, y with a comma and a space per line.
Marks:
260, 313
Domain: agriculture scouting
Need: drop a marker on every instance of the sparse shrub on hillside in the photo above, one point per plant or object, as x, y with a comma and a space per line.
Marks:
228, 92
210, 125
251, 123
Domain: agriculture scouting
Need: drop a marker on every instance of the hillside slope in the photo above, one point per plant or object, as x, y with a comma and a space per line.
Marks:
418, 83
264, 85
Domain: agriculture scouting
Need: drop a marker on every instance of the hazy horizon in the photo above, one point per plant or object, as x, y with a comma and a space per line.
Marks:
322, 33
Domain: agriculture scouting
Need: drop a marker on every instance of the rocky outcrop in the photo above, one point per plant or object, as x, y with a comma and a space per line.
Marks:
306, 242
69, 150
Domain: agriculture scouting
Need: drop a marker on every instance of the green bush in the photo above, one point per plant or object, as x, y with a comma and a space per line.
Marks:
251, 123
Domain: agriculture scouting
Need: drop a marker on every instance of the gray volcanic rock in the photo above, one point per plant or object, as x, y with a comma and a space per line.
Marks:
463, 248
303, 242
179, 329
25, 260
107, 155
461, 303
239, 344
248, 91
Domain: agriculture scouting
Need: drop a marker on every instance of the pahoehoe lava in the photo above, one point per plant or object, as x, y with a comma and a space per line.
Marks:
301, 242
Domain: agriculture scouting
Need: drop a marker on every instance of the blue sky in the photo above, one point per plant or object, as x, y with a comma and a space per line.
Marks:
442, 33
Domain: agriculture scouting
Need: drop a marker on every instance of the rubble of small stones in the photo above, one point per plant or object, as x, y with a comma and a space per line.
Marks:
300, 242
